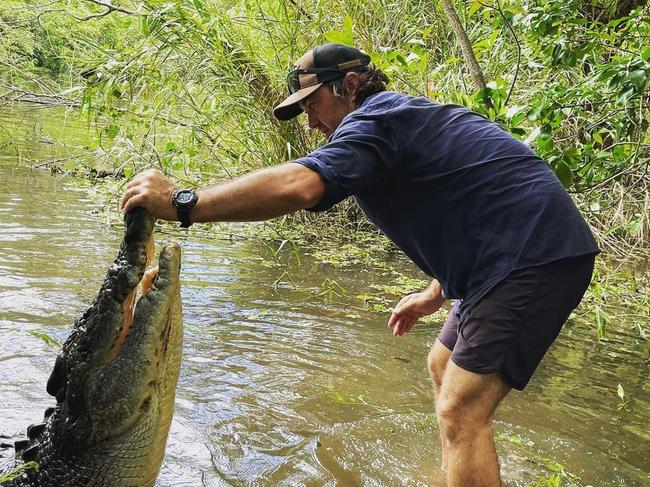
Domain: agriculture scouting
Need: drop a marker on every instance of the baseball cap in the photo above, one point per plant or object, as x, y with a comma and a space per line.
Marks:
323, 63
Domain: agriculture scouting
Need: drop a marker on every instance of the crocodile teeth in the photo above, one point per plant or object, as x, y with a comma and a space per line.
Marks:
31, 453
20, 445
35, 430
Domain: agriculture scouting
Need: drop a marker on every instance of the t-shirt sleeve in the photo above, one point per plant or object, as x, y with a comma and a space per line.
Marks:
362, 152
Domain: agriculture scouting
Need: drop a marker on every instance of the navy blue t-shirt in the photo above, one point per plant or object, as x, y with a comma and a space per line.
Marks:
466, 201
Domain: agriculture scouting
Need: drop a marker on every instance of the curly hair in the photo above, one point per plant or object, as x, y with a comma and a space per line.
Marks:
371, 81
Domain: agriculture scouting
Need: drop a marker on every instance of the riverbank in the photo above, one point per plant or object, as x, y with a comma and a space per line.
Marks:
60, 141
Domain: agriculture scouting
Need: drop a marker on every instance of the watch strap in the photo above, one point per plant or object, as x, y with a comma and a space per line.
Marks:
184, 216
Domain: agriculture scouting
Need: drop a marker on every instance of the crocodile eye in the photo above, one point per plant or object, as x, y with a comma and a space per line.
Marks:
144, 407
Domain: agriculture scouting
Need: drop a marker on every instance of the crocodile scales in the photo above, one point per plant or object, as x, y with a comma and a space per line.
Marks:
115, 378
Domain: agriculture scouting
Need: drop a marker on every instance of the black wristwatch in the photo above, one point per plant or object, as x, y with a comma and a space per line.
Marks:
184, 200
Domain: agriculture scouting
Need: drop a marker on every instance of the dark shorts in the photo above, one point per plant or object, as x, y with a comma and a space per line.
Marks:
511, 327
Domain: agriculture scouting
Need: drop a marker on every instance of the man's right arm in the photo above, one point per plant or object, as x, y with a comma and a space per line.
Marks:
260, 195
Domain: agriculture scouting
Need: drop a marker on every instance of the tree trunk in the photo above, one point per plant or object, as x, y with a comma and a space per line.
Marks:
465, 46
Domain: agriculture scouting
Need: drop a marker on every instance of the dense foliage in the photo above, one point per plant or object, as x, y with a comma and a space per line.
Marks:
189, 85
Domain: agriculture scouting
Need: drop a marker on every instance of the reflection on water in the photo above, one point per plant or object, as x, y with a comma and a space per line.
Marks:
278, 388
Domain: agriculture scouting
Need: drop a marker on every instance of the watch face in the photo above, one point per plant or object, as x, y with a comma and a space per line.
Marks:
184, 197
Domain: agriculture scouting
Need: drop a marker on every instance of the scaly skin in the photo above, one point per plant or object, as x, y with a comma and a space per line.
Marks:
115, 378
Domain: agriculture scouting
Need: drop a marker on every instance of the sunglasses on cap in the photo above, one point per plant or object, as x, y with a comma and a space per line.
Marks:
322, 75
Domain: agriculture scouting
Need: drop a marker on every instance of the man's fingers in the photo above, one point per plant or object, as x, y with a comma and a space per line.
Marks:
406, 328
398, 328
133, 202
145, 178
130, 194
126, 195
134, 182
139, 178
393, 319
404, 325
397, 324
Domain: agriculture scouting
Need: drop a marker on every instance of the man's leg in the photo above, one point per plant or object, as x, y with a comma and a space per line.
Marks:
437, 364
465, 408
509, 331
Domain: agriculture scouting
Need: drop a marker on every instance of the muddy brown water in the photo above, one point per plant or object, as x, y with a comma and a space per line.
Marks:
277, 387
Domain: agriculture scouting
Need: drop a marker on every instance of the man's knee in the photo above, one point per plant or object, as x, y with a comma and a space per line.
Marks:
467, 401
437, 362
459, 420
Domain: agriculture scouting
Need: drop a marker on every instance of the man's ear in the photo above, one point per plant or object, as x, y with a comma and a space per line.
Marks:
352, 85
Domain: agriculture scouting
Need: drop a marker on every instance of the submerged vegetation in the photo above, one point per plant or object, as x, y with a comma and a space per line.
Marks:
18, 471
188, 87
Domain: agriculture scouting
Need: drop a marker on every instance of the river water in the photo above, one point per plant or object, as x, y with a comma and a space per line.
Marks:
278, 387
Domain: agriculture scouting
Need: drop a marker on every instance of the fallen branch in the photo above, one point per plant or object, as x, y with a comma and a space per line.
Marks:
18, 95
113, 8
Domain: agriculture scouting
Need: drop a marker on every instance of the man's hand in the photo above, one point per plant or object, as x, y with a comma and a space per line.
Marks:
414, 306
152, 190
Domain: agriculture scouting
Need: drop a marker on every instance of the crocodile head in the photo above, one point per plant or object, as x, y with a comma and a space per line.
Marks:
116, 375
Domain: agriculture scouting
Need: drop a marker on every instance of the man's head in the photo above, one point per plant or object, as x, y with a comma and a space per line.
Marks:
327, 83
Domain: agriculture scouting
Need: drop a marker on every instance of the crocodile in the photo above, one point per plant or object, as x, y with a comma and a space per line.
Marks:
115, 378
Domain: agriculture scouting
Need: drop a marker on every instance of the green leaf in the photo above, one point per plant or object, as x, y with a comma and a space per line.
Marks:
18, 471
473, 8
344, 36
620, 392
111, 131
45, 337
564, 174
624, 96
638, 79
144, 25
517, 119
645, 55
601, 322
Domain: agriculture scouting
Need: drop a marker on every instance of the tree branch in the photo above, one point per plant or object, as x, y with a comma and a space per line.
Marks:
514, 35
111, 8
465, 45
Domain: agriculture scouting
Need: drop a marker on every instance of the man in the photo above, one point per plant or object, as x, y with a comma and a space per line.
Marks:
473, 207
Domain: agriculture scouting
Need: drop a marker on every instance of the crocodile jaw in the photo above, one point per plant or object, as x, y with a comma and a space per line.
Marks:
116, 376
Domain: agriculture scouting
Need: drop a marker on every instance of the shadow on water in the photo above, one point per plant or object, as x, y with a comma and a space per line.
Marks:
281, 388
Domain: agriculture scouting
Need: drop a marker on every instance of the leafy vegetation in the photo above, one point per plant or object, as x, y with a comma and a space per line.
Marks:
18, 471
617, 297
188, 86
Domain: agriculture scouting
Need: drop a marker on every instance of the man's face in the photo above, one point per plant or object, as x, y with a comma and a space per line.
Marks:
324, 110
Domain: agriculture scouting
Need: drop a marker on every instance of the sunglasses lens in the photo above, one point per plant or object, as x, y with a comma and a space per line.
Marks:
293, 83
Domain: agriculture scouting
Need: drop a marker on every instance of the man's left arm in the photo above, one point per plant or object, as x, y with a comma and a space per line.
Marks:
414, 306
